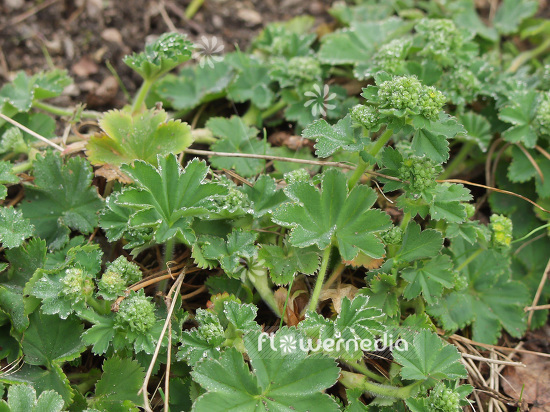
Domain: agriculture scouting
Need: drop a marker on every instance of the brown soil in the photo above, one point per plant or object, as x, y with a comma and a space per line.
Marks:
83, 35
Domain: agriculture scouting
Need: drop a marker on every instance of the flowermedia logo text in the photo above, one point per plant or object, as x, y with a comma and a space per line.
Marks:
290, 344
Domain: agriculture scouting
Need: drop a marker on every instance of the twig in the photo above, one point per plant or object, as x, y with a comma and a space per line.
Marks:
288, 159
533, 163
32, 133
465, 182
537, 296
194, 293
500, 348
167, 20
533, 308
496, 361
32, 11
143, 389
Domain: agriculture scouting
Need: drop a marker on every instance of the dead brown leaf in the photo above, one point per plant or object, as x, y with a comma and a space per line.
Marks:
338, 294
366, 261
535, 380
111, 172
297, 301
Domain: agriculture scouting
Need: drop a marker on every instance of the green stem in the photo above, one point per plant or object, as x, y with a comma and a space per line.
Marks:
320, 278
469, 259
353, 380
336, 273
270, 111
532, 232
360, 367
252, 115
203, 136
405, 220
142, 95
60, 111
362, 166
168, 255
261, 284
528, 55
458, 160
21, 167
356, 176
381, 142
193, 8
286, 303
101, 307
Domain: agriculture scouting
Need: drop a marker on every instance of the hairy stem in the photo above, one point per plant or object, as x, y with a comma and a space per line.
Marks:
469, 259
168, 255
405, 220
142, 95
528, 55
193, 8
261, 284
100, 306
252, 115
270, 111
360, 367
363, 166
458, 160
320, 278
354, 380
60, 111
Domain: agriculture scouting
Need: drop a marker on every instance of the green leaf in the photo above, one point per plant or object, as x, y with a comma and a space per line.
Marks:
14, 228
61, 198
428, 357
50, 341
429, 279
490, 302
100, 334
478, 129
19, 93
221, 284
419, 245
239, 244
433, 145
236, 137
278, 384
42, 380
447, 202
193, 85
332, 214
251, 82
511, 13
161, 56
24, 90
357, 322
167, 198
22, 398
143, 136
264, 195
382, 294
24, 261
6, 177
358, 44
119, 385
521, 112
286, 262
521, 169
331, 138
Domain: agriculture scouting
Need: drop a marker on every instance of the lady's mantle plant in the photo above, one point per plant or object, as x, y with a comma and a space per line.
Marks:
295, 275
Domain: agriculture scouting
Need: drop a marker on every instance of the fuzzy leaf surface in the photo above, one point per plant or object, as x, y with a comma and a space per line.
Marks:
167, 198
142, 136
333, 215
